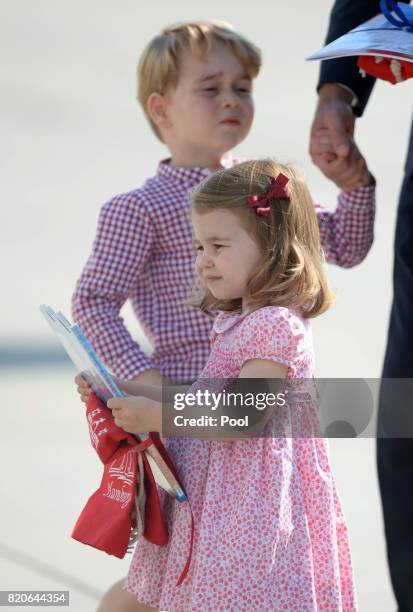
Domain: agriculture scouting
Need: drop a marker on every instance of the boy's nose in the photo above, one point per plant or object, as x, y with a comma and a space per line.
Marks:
230, 101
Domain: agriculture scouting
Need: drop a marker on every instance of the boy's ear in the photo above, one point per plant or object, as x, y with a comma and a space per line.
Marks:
157, 110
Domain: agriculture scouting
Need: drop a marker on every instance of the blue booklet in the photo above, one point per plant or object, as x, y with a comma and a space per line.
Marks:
80, 351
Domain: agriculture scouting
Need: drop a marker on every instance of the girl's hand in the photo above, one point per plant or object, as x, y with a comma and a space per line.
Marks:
136, 414
83, 388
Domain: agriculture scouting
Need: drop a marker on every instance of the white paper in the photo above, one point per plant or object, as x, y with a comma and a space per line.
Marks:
89, 365
377, 36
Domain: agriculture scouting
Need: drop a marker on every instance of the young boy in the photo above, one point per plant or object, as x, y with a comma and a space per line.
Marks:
195, 87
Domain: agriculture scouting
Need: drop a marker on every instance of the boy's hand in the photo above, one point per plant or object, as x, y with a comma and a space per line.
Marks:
83, 388
136, 414
348, 173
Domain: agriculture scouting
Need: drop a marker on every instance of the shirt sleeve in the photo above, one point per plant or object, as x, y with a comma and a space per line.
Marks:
346, 15
347, 233
273, 333
120, 253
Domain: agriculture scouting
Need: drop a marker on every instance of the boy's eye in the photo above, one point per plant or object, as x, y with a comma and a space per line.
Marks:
210, 89
218, 246
199, 248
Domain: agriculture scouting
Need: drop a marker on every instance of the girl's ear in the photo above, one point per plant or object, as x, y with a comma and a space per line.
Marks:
157, 108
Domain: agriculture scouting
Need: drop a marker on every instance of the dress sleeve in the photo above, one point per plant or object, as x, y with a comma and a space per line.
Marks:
120, 253
271, 333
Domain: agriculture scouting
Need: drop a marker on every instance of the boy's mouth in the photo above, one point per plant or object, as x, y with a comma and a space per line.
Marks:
231, 121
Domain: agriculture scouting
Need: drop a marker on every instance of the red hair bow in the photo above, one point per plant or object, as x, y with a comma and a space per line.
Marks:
276, 189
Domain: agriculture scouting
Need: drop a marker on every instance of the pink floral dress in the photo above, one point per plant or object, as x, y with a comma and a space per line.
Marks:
270, 534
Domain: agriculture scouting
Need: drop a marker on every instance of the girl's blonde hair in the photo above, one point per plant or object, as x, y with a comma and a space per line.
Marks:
158, 68
291, 273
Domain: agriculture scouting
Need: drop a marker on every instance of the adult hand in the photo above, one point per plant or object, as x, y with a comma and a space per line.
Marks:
332, 147
334, 113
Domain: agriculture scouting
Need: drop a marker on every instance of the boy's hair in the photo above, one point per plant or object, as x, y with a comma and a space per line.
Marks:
158, 68
292, 272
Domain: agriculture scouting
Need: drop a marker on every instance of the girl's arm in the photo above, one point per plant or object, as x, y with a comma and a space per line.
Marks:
257, 368
132, 387
144, 411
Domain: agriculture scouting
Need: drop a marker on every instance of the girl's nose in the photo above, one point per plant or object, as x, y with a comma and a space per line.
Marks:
205, 260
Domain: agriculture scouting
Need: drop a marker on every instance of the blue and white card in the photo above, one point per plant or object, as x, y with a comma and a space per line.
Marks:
95, 373
82, 354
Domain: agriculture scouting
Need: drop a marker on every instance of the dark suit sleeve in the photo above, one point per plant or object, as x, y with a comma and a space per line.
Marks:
346, 15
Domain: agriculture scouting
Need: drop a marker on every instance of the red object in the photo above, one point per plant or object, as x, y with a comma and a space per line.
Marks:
277, 189
105, 522
382, 70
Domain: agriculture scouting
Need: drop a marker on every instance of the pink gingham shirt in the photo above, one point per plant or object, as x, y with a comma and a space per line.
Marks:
143, 252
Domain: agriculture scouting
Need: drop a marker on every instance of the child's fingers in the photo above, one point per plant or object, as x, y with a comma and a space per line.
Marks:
329, 157
118, 421
349, 173
355, 180
81, 382
348, 164
115, 403
82, 385
118, 417
84, 392
357, 170
345, 173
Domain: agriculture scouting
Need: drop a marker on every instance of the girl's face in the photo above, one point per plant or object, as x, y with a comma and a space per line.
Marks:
227, 255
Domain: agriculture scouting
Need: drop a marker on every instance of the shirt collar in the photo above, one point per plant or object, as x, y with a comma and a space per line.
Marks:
188, 176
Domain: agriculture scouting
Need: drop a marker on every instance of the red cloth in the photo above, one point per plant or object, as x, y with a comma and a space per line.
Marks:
105, 522
382, 70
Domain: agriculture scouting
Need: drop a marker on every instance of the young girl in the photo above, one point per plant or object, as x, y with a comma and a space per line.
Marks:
269, 527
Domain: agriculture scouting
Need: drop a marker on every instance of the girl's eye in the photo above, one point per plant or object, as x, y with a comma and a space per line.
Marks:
198, 248
218, 246
210, 89
244, 90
